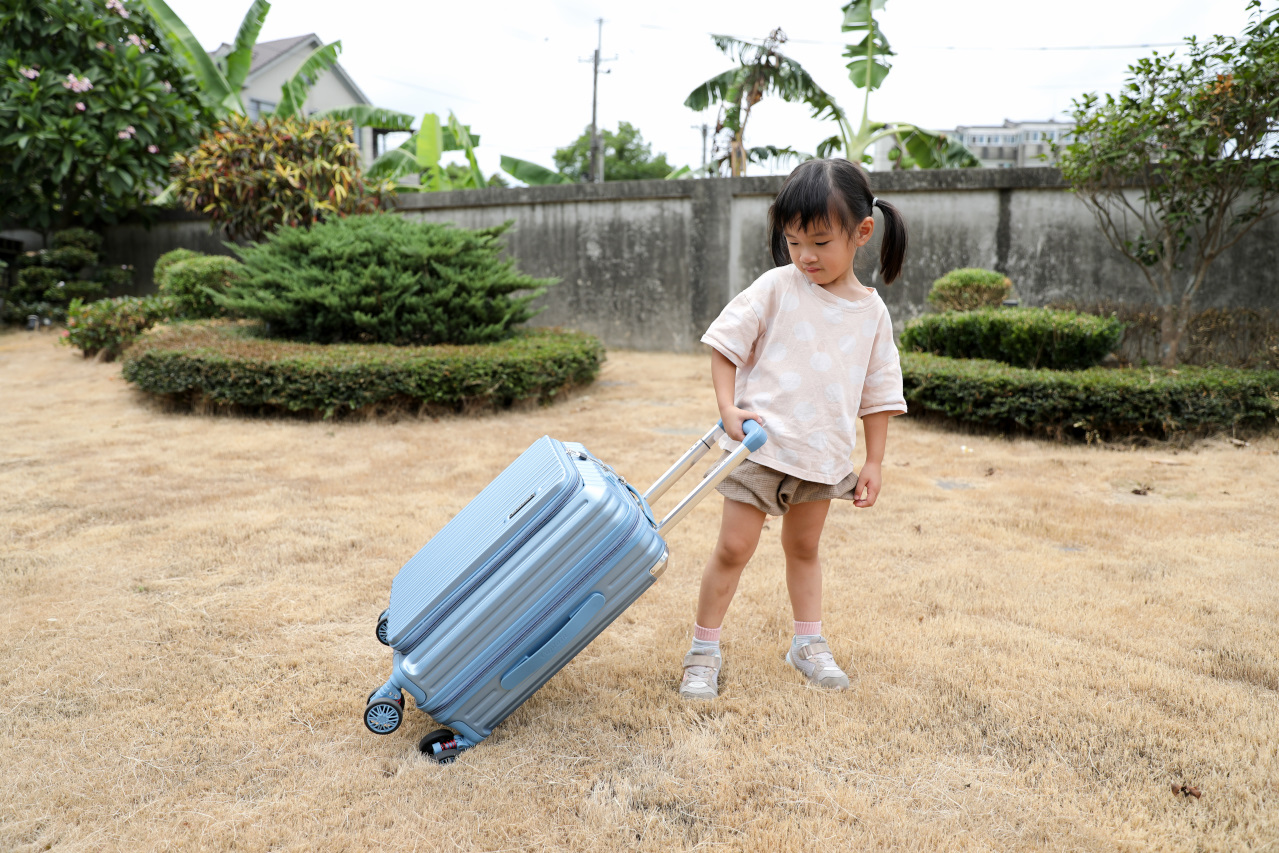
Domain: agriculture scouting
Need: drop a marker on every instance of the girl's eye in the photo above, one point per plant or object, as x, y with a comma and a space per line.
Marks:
823, 244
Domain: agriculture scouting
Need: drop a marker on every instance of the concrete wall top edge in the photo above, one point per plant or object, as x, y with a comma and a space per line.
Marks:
920, 180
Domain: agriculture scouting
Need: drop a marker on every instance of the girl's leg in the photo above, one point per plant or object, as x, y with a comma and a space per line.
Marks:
801, 534
738, 535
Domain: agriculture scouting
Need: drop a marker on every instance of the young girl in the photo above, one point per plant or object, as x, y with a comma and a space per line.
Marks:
804, 351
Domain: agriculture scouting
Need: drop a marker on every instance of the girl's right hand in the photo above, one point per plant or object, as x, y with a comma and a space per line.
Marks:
733, 417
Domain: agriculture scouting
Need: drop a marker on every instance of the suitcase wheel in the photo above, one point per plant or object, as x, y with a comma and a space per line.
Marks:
440, 746
383, 716
381, 628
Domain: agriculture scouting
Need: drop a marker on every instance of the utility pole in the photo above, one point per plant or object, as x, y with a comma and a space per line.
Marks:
705, 128
597, 153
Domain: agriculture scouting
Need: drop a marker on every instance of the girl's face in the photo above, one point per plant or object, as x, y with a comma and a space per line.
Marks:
824, 251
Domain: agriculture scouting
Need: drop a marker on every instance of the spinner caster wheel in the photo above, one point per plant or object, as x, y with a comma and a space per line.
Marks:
440, 746
383, 716
382, 636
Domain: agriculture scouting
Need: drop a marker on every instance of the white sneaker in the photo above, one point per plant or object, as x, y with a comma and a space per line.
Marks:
818, 665
701, 676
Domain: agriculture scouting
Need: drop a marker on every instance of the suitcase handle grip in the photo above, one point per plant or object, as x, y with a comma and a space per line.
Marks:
536, 660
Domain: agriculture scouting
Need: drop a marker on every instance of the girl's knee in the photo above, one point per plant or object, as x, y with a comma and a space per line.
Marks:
735, 551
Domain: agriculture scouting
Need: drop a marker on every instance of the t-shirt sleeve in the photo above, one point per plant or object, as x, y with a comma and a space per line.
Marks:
736, 330
882, 391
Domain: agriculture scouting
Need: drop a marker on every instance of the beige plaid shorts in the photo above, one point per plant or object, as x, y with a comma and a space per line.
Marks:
773, 492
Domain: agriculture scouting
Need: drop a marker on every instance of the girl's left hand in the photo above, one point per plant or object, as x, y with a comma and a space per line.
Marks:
868, 484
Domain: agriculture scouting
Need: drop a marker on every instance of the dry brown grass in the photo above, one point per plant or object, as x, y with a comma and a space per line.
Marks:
186, 641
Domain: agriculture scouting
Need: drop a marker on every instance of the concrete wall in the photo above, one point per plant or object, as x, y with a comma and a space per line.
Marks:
649, 264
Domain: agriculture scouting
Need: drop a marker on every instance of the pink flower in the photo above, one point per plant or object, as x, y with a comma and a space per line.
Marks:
99, 45
152, 149
29, 73
117, 7
137, 40
127, 133
168, 87
77, 85
79, 105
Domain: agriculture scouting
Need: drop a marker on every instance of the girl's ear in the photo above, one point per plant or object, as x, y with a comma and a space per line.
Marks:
865, 229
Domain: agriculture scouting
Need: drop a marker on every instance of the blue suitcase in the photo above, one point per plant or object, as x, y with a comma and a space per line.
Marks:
520, 581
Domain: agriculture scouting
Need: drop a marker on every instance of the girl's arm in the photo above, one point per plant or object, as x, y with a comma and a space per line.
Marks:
871, 478
724, 377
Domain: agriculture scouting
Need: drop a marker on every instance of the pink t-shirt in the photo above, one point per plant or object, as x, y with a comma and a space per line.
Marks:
810, 363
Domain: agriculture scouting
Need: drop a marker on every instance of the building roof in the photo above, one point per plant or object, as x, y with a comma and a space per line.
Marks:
266, 53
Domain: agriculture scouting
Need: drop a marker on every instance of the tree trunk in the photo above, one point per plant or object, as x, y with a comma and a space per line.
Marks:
1174, 320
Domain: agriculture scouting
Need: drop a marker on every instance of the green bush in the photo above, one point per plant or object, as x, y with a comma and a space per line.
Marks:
969, 288
190, 285
228, 364
168, 259
79, 238
383, 279
1096, 403
109, 326
1022, 337
49, 279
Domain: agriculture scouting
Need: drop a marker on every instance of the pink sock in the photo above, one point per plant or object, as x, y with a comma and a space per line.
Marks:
708, 635
808, 629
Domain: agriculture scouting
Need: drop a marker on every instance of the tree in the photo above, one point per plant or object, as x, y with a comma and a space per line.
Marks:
91, 108
761, 70
627, 157
1183, 163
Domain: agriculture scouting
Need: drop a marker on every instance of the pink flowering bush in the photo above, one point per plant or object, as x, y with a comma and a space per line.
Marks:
91, 109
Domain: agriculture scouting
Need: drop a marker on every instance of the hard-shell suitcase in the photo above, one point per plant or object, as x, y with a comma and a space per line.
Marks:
520, 581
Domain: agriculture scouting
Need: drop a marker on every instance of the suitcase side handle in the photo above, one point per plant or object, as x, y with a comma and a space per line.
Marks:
537, 659
755, 438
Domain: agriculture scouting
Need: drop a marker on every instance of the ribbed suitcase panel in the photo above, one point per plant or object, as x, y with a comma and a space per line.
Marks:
526, 490
485, 628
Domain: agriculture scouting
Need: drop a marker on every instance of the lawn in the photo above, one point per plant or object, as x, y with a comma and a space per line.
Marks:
1044, 640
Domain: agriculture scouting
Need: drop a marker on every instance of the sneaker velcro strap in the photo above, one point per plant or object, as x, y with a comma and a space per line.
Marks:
692, 659
811, 649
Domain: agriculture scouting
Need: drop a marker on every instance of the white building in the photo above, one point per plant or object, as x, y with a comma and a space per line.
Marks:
274, 62
1004, 146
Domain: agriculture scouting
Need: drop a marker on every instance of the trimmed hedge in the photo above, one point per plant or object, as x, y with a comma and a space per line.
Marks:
231, 365
969, 288
109, 326
168, 259
1022, 337
1098, 403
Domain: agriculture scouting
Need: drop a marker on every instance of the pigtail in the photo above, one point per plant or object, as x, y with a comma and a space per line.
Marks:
892, 247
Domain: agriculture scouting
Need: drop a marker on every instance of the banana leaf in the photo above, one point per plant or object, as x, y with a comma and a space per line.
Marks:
429, 145
531, 173
367, 115
239, 60
476, 178
294, 91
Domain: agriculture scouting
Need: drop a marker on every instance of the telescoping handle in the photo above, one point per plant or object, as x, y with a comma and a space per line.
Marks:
755, 438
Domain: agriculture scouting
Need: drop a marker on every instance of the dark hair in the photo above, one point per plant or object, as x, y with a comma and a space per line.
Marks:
822, 190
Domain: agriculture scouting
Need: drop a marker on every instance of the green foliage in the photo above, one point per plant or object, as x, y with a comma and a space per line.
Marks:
251, 177
228, 365
1024, 337
627, 157
968, 288
1184, 161
191, 285
90, 111
48, 280
166, 261
109, 326
1091, 404
382, 278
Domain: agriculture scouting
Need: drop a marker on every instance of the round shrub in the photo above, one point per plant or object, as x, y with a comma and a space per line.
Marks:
191, 285
229, 364
1023, 337
168, 259
383, 279
109, 326
80, 238
968, 289
1098, 403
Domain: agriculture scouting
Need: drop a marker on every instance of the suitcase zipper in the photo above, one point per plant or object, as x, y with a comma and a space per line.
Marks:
487, 670
442, 610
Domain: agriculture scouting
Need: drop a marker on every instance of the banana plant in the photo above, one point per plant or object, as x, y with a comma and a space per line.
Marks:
762, 69
531, 173
420, 153
868, 66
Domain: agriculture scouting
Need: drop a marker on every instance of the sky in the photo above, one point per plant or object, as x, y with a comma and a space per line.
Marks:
519, 73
